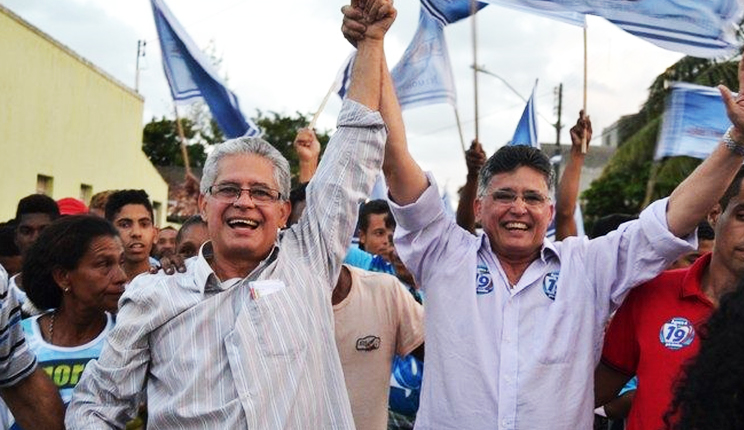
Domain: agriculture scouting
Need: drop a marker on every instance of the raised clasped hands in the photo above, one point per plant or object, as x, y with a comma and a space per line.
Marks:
367, 19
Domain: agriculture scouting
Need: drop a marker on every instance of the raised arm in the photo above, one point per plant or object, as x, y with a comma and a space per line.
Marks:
568, 188
475, 158
308, 152
699, 192
405, 179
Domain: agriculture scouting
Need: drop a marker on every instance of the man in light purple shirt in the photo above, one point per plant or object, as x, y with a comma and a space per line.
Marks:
514, 322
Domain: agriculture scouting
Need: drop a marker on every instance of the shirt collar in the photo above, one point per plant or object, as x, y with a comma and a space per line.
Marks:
205, 278
692, 285
547, 250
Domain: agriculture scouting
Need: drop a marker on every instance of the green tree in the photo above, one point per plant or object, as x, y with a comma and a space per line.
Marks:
631, 179
161, 143
280, 130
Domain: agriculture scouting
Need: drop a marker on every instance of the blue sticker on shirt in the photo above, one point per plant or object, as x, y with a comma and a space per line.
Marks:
677, 333
483, 281
550, 284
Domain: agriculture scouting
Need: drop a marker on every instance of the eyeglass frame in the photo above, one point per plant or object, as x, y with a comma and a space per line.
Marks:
513, 196
240, 191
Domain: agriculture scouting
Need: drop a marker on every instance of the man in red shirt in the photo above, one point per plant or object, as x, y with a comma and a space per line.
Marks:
656, 330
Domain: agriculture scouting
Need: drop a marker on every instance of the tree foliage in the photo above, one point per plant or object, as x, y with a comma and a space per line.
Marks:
161, 143
631, 179
280, 131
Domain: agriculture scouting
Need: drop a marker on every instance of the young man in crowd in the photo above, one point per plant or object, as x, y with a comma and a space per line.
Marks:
657, 329
131, 213
191, 236
166, 243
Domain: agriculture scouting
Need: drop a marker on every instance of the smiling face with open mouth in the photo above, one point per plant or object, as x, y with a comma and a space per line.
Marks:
515, 212
242, 231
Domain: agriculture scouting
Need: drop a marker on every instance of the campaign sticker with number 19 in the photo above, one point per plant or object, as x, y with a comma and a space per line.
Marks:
677, 333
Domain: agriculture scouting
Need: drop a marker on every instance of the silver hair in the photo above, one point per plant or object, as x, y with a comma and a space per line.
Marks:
247, 145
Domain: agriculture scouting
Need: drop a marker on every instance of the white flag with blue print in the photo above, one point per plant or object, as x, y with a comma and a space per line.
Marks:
700, 28
694, 122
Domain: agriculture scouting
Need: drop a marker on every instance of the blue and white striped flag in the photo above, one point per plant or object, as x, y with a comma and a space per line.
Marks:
450, 11
343, 78
693, 123
191, 76
526, 132
700, 28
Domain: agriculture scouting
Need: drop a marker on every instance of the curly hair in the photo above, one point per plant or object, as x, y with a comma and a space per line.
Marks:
710, 395
60, 246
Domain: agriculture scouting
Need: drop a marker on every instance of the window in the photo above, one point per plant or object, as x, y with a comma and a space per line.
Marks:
86, 192
157, 209
44, 185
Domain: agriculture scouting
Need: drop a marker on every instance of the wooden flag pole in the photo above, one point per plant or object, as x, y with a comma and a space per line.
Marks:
311, 126
459, 129
184, 152
584, 143
473, 10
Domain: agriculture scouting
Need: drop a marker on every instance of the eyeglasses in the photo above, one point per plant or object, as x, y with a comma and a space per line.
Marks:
530, 198
229, 193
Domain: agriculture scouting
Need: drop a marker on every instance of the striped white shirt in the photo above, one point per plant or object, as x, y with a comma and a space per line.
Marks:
215, 355
16, 360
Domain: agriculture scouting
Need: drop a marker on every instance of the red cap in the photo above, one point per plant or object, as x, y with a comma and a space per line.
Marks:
71, 206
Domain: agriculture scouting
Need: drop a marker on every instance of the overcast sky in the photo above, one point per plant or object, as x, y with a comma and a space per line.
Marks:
282, 56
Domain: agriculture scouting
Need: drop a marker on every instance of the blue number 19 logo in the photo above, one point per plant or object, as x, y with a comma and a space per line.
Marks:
677, 333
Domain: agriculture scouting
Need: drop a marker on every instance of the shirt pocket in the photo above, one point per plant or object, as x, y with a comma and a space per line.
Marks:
555, 333
281, 324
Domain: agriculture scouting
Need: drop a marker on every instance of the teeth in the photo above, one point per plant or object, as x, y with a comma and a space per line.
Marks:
243, 222
516, 225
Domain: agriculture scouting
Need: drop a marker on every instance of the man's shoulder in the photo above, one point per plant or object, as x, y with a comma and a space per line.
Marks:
148, 286
663, 287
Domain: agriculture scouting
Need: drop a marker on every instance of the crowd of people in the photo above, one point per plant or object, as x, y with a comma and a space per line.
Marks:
262, 312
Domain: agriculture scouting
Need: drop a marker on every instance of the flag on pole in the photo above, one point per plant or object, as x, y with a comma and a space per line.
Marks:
423, 75
694, 27
343, 78
694, 122
191, 76
526, 132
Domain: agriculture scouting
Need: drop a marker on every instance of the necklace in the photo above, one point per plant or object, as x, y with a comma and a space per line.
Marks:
51, 326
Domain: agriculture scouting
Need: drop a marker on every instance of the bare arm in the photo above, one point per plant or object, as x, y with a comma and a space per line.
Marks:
607, 384
405, 179
35, 402
308, 151
568, 188
475, 158
691, 201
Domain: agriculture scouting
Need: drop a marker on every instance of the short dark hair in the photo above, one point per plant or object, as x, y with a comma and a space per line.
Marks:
733, 189
190, 221
60, 246
609, 223
509, 158
37, 204
8, 247
377, 207
119, 199
298, 193
705, 231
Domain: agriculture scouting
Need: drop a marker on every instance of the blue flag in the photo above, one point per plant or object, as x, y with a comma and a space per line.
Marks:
694, 122
191, 76
423, 75
526, 132
450, 11
700, 28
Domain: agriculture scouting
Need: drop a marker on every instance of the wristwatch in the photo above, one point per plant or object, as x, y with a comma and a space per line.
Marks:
733, 146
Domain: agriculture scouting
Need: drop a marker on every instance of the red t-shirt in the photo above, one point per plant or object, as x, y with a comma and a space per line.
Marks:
653, 334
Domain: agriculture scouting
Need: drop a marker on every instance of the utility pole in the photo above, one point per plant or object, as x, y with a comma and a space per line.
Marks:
140, 53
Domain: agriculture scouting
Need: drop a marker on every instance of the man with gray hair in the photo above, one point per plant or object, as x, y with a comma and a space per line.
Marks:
245, 338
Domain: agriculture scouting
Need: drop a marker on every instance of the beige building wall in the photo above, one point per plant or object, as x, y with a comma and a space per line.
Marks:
63, 118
